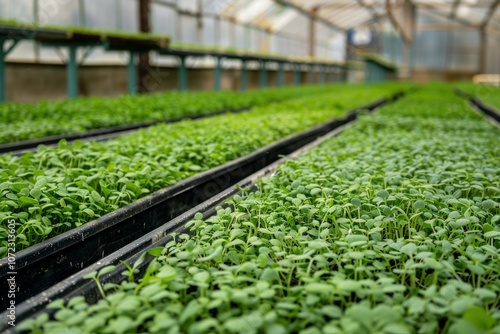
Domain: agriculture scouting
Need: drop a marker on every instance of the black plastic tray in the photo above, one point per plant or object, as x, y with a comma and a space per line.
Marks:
76, 285
480, 105
103, 133
486, 109
58, 258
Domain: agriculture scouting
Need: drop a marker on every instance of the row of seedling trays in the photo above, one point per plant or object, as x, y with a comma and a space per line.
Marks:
55, 268
63, 265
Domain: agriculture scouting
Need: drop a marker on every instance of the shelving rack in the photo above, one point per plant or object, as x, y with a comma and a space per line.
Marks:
378, 69
72, 41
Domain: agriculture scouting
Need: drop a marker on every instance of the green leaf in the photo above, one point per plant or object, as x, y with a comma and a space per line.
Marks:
356, 255
26, 201
121, 325
91, 275
356, 202
315, 191
352, 238
479, 318
56, 304
409, 249
488, 204
36, 193
319, 288
192, 309
492, 234
269, 275
195, 168
167, 273
89, 212
419, 205
106, 270
156, 252
383, 194
128, 304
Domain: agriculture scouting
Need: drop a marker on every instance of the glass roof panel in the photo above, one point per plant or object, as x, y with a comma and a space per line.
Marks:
348, 14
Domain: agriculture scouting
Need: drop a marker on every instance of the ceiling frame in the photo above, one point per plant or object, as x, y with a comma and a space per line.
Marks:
489, 15
370, 9
435, 10
454, 9
308, 13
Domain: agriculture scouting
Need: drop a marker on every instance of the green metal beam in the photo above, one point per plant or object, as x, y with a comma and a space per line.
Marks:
332, 74
322, 70
244, 75
182, 74
311, 75
297, 75
412, 56
132, 73
72, 73
281, 74
342, 75
263, 74
3, 54
218, 73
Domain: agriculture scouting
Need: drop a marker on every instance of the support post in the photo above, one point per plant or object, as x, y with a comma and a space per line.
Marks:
281, 74
2, 70
218, 73
144, 26
3, 54
182, 74
132, 74
72, 73
311, 74
244, 75
482, 51
343, 74
297, 75
263, 74
332, 74
412, 56
322, 74
312, 31
368, 72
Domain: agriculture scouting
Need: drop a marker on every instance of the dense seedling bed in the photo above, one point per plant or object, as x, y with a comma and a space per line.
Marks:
54, 190
30, 121
392, 227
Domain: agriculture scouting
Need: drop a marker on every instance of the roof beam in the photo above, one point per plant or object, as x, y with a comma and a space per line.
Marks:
454, 8
405, 35
307, 13
434, 11
490, 13
369, 8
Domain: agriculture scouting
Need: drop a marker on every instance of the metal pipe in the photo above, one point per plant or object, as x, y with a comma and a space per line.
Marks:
182, 74
217, 74
72, 73
244, 75
132, 74
263, 74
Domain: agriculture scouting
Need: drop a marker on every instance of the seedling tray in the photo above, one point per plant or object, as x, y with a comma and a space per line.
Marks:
103, 133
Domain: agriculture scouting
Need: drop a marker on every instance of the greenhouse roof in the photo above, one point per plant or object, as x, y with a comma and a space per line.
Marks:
343, 15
